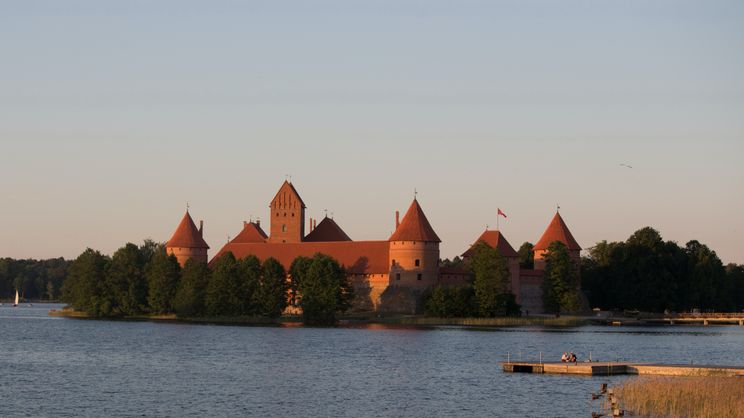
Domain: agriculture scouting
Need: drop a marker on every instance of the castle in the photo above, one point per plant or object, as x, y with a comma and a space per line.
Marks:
389, 275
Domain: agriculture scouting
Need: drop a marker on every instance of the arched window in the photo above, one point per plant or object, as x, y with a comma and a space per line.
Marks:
284, 228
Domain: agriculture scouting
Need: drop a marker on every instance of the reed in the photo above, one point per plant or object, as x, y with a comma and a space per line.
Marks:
703, 397
564, 321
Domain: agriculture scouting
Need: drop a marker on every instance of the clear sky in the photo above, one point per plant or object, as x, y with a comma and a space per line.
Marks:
113, 114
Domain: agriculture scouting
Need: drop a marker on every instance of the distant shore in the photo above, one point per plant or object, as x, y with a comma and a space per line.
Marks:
350, 320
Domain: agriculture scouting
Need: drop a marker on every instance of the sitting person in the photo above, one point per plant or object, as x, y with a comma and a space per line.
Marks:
572, 358
564, 357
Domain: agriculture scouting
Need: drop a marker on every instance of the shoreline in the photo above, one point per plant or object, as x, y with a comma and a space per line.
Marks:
349, 320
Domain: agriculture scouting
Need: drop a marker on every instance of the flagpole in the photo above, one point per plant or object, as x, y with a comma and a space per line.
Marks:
497, 219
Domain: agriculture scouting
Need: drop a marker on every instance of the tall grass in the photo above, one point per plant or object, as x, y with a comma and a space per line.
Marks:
700, 397
564, 321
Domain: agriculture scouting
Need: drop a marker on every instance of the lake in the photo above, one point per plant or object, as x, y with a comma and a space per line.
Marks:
69, 367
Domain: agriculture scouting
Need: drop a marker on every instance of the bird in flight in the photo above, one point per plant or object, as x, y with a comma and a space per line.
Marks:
625, 165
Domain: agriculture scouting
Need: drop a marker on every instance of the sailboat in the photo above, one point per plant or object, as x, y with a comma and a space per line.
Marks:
16, 299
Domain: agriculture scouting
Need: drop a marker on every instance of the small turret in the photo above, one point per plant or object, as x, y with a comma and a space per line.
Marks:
556, 231
414, 250
187, 242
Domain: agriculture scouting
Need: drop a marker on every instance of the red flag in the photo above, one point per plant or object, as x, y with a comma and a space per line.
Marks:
501, 213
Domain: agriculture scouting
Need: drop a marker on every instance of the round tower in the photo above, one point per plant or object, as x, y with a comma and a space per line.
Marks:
414, 251
188, 242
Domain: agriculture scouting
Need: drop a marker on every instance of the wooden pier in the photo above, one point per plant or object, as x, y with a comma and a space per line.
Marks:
620, 368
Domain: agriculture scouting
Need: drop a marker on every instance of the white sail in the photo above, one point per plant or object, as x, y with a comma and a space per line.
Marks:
16, 299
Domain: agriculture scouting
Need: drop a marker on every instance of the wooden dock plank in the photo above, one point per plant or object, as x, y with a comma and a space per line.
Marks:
620, 368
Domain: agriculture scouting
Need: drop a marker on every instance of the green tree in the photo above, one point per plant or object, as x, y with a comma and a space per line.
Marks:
224, 291
297, 272
84, 288
324, 291
272, 292
527, 256
706, 278
162, 274
249, 269
561, 283
491, 280
192, 289
452, 302
126, 285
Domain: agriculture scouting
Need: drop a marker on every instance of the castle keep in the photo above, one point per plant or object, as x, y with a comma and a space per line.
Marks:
389, 275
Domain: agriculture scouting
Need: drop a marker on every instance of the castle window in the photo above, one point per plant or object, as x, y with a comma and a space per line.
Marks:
397, 276
393, 263
418, 262
284, 228
419, 276
285, 214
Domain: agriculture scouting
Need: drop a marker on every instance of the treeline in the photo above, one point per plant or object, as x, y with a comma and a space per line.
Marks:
650, 274
146, 280
34, 279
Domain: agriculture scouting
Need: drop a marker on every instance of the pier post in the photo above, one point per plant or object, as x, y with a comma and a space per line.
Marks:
705, 322
741, 322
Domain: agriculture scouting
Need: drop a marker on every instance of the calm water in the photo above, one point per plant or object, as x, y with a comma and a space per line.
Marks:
66, 367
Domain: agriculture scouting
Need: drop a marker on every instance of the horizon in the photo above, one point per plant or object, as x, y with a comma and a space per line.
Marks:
115, 115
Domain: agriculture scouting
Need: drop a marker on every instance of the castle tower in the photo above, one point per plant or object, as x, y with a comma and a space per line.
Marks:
414, 251
496, 239
287, 215
187, 242
556, 231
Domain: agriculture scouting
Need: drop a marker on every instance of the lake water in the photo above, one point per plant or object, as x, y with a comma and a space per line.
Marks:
67, 367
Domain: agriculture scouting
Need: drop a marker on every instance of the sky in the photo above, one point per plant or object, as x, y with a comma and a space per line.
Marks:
115, 114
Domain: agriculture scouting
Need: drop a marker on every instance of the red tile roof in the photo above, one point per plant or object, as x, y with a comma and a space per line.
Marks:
251, 232
415, 226
327, 231
288, 187
358, 257
494, 239
187, 235
557, 231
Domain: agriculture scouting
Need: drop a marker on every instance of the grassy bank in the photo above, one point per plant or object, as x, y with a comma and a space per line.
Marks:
405, 320
564, 321
673, 397
226, 320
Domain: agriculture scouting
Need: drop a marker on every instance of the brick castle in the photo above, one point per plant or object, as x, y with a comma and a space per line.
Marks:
389, 275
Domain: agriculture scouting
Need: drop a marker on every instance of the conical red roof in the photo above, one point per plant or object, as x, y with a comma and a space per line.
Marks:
187, 235
415, 226
327, 231
557, 231
494, 239
251, 232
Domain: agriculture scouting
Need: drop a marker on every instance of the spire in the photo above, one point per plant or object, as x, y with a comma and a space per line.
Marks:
414, 226
187, 235
287, 187
327, 231
557, 231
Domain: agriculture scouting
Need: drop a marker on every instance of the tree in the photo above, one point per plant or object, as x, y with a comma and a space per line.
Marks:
84, 288
527, 256
272, 292
324, 290
162, 274
249, 269
707, 279
224, 291
561, 283
192, 289
297, 272
452, 302
126, 285
491, 280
